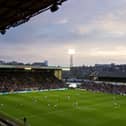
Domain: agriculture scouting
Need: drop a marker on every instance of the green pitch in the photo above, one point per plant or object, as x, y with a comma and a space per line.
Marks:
66, 108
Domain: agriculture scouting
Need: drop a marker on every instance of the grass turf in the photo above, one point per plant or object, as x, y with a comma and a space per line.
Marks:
66, 108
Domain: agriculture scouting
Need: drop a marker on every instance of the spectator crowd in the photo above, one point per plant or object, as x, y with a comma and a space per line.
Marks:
19, 81
106, 87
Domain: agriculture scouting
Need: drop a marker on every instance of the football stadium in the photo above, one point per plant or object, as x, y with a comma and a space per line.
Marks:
38, 95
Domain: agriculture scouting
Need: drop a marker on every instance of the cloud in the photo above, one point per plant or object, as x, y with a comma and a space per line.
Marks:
95, 28
115, 52
62, 21
108, 26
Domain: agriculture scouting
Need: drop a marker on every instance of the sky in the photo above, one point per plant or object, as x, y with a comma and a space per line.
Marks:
96, 29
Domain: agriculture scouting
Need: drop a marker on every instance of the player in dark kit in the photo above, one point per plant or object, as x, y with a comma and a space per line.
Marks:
25, 120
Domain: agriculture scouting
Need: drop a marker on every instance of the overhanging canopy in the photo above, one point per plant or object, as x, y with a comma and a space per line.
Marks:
16, 12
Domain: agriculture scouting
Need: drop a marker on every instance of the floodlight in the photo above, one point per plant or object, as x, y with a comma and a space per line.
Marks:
27, 68
71, 51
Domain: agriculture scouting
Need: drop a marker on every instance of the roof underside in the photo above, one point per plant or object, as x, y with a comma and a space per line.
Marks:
16, 12
28, 67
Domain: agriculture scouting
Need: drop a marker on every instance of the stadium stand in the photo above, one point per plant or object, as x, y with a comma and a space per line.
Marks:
15, 79
106, 87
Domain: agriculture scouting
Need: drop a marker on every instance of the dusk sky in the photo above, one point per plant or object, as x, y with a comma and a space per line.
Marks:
96, 29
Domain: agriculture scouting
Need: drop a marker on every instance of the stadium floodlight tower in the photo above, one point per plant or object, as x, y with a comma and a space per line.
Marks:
71, 52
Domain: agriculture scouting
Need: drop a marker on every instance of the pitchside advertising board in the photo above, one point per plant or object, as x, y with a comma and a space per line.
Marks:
31, 91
